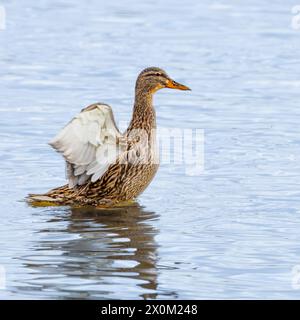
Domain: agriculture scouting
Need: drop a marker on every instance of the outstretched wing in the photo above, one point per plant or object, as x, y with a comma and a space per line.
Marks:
89, 144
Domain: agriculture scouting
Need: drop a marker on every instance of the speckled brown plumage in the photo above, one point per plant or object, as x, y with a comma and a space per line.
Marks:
124, 180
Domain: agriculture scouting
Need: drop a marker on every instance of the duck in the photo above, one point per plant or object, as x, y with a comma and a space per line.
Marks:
104, 167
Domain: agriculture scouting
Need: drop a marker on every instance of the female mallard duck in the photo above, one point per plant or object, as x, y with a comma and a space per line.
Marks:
103, 166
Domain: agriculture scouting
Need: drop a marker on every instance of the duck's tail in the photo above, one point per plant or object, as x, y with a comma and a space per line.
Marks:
54, 197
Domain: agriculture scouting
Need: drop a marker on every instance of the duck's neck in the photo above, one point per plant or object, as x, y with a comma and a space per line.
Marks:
143, 111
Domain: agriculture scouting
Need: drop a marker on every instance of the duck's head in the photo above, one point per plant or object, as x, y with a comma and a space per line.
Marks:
153, 78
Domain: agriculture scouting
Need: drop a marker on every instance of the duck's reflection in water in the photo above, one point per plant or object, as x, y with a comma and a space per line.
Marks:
92, 253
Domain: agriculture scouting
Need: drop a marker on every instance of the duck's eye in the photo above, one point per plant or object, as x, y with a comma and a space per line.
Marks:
153, 74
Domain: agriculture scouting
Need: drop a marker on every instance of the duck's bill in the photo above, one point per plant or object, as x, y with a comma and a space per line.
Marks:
175, 85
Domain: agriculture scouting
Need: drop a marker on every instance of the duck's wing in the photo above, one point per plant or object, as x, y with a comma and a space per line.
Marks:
89, 144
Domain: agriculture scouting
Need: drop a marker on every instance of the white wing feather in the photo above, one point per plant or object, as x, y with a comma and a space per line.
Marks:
88, 144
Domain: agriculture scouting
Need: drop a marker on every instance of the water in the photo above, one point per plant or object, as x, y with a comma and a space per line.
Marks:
232, 232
